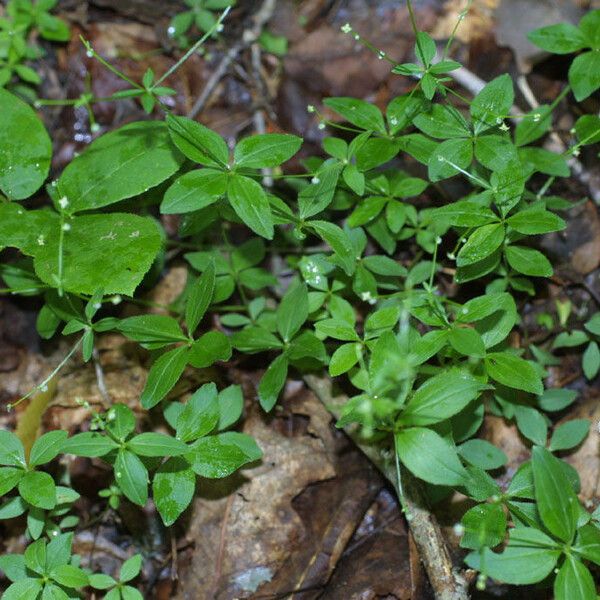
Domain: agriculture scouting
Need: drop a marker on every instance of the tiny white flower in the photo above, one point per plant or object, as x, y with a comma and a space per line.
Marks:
576, 152
321, 126
346, 28
315, 180
41, 240
66, 227
116, 299
458, 529
310, 108
63, 202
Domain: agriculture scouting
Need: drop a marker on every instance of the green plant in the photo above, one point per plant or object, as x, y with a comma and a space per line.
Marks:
201, 16
21, 18
365, 268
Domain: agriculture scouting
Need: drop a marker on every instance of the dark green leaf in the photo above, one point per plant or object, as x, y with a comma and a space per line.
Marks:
266, 150
132, 477
173, 489
514, 372
163, 375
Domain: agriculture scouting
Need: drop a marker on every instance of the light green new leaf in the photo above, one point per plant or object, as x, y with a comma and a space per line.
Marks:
25, 148
584, 74
563, 38
47, 447
11, 449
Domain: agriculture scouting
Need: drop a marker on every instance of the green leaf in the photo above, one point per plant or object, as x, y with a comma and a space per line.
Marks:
336, 329
47, 447
481, 244
593, 325
557, 503
266, 150
531, 424
544, 161
482, 454
533, 125
25, 589
528, 261
100, 581
255, 339
430, 457
199, 298
493, 102
9, 478
132, 477
590, 28
231, 406
317, 196
163, 375
173, 489
402, 110
553, 400
495, 152
220, 455
38, 489
529, 557
562, 38
591, 360
11, 449
339, 242
448, 157
152, 331
193, 191
587, 543
272, 382
120, 421
514, 372
198, 143
443, 121
249, 201
119, 165
90, 444
13, 566
344, 358
534, 221
132, 243
131, 568
424, 48
358, 112
584, 74
26, 148
484, 525
587, 128
200, 414
440, 397
574, 582
466, 341
156, 444
493, 315
569, 434
209, 348
292, 312
14, 507
464, 214
69, 576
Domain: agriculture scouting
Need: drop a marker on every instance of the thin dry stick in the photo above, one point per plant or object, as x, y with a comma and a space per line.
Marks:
447, 582
250, 35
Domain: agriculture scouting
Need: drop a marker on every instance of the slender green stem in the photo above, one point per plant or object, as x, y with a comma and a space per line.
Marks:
194, 48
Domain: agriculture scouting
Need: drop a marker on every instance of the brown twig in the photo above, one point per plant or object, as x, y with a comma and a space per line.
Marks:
249, 36
447, 582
